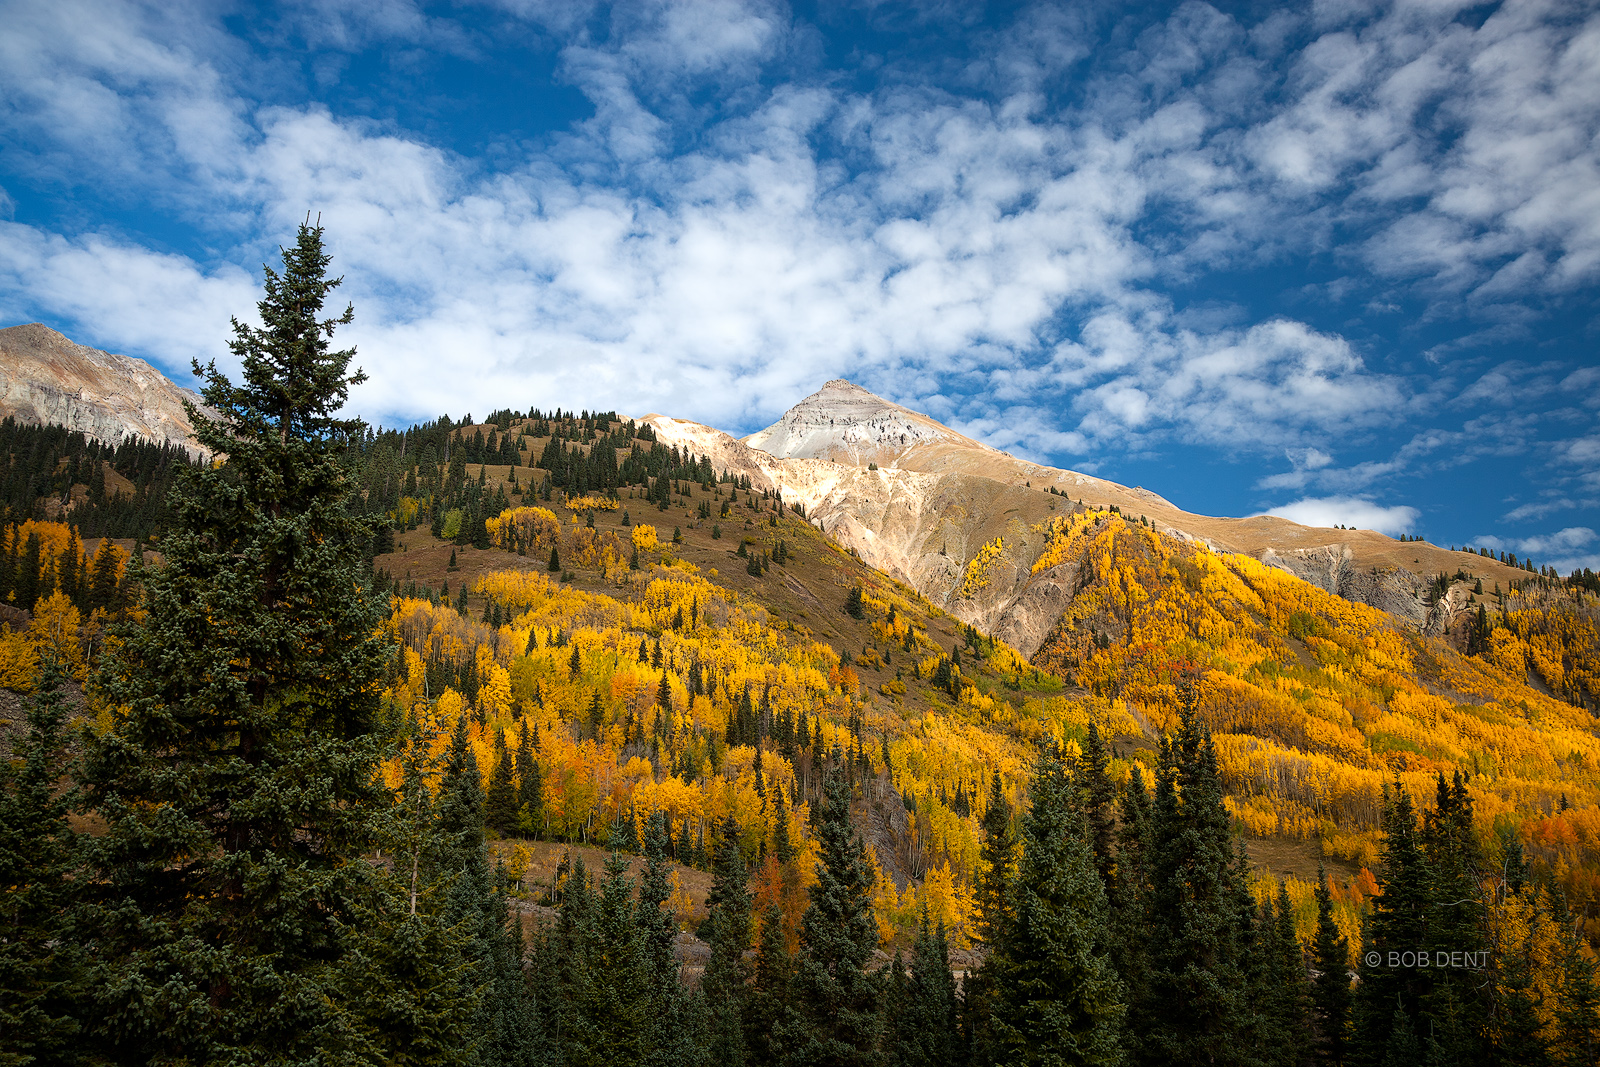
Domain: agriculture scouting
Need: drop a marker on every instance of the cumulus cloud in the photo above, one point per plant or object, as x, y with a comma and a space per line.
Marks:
733, 226
1357, 512
122, 296
1565, 550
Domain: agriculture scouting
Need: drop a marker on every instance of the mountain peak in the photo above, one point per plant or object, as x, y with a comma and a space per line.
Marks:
847, 424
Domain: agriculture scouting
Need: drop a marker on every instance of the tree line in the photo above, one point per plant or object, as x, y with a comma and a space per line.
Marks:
43, 464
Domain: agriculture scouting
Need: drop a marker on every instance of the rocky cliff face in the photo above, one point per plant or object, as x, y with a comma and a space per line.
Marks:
938, 497
46, 378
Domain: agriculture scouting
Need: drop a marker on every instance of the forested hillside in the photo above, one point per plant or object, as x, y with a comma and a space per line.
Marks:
354, 684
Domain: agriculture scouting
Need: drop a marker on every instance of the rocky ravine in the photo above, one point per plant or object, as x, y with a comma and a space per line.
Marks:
47, 378
936, 497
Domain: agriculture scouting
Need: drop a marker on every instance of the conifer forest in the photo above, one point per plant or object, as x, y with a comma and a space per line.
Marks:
280, 792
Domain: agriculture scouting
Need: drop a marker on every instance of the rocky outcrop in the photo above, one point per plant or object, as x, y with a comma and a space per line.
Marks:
1393, 589
47, 378
844, 423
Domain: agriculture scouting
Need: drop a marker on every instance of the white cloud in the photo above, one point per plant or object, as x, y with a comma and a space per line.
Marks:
1357, 512
123, 297
1573, 537
1564, 550
1492, 129
1540, 509
721, 262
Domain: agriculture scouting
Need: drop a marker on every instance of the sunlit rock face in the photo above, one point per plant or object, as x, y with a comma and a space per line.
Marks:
844, 423
47, 378
919, 501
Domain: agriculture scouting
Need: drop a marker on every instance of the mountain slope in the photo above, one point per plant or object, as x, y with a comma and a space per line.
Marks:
937, 498
47, 378
1316, 703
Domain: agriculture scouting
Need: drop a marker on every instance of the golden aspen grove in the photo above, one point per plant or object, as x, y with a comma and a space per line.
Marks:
630, 683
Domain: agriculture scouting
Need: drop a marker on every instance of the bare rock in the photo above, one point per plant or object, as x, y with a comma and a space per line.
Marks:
47, 378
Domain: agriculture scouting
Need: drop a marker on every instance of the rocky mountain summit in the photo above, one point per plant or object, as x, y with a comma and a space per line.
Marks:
919, 501
47, 378
844, 423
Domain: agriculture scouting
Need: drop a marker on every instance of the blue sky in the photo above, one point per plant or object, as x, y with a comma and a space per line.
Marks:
1339, 261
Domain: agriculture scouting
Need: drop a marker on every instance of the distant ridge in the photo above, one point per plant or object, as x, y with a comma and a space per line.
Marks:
46, 377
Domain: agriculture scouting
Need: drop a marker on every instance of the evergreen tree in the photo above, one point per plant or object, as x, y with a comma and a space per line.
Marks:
1057, 999
768, 1003
996, 862
996, 867
420, 986
1331, 987
661, 996
1387, 997
40, 963
923, 1023
104, 580
457, 839
1129, 897
1578, 1015
567, 970
1283, 1003
237, 781
618, 1012
530, 788
1195, 1008
500, 801
1093, 795
1454, 921
555, 560
833, 1018
475, 905
782, 847
727, 930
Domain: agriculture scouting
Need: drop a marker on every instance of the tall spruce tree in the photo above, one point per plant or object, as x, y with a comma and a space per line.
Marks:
1195, 1008
768, 1003
500, 799
996, 866
1093, 795
530, 787
833, 1019
504, 1026
1578, 1014
671, 1033
1455, 922
41, 966
922, 1026
422, 990
236, 780
727, 930
996, 863
618, 1010
1057, 999
1283, 1000
568, 970
1386, 996
1330, 995
1129, 898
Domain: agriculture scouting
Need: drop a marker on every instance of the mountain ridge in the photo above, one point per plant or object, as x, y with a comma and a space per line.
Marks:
906, 493
45, 377
923, 505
